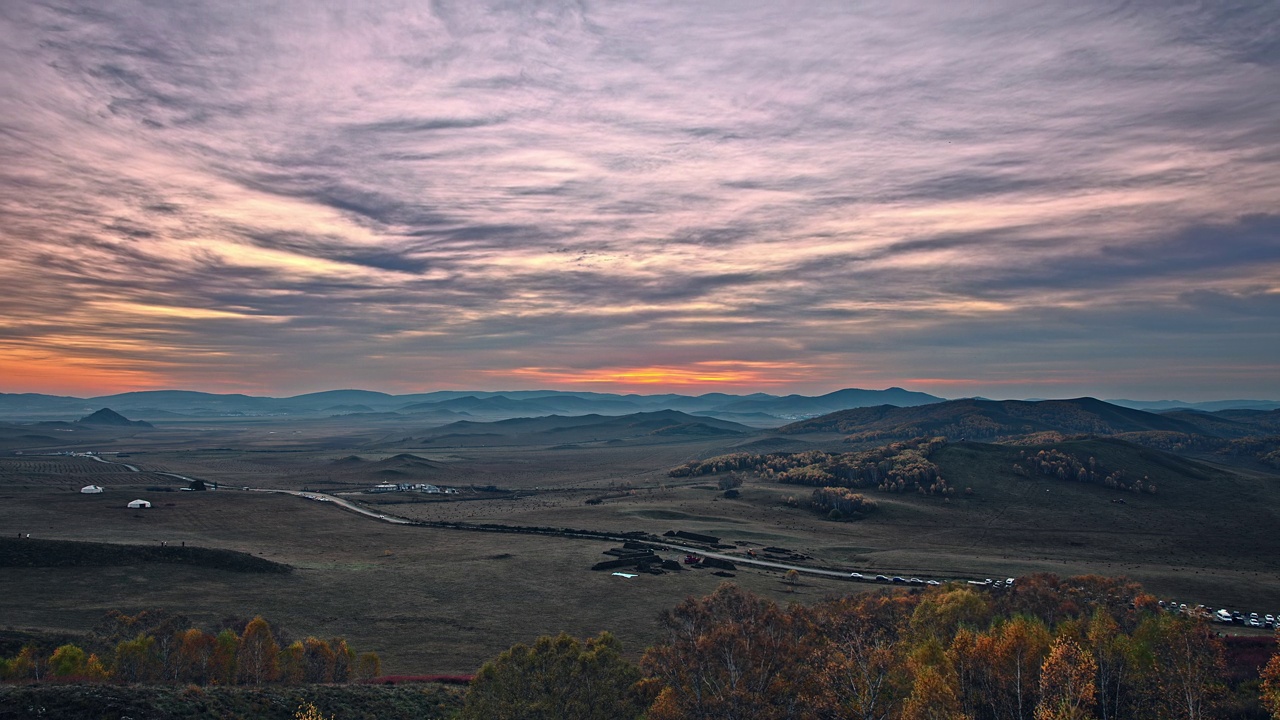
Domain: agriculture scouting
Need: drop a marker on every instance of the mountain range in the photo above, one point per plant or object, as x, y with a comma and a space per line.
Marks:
757, 409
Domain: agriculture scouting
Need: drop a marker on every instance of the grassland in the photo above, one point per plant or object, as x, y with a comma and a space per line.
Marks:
432, 600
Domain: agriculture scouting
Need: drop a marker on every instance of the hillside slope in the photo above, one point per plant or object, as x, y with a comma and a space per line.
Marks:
990, 419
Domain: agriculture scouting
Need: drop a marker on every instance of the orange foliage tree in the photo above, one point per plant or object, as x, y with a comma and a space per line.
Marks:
1067, 686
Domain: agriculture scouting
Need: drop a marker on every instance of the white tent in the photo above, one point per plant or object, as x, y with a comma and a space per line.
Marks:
139, 504
90, 489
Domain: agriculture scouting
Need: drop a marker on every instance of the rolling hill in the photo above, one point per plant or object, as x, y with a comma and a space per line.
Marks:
990, 419
558, 428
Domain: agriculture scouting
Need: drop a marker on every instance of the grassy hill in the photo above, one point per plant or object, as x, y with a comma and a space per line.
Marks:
989, 419
557, 428
26, 552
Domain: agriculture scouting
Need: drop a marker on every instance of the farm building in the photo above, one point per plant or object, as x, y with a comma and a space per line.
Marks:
136, 504
91, 489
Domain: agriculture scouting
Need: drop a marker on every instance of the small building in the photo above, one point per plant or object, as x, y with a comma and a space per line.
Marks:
137, 504
91, 489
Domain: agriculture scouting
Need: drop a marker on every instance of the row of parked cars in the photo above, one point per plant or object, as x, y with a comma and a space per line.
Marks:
1229, 617
1238, 618
899, 580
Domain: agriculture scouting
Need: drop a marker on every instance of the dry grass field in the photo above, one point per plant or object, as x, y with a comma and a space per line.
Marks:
434, 600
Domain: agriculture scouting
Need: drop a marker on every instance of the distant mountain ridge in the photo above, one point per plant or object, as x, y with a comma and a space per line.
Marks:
1211, 406
758, 409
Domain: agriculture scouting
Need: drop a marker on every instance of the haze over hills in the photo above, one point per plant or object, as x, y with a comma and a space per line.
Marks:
1211, 406
757, 409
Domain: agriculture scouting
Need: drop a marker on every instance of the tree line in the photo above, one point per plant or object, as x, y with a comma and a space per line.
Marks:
896, 467
155, 647
1047, 649
1065, 466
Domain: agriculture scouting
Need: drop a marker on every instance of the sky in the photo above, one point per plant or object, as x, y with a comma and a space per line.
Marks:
1005, 199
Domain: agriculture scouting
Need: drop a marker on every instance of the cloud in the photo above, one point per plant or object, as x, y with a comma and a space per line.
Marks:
863, 191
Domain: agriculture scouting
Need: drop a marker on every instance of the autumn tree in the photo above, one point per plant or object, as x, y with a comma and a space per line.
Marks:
136, 660
730, 655
1010, 676
863, 672
94, 669
344, 660
27, 664
1271, 682
940, 614
557, 677
932, 698
308, 711
1184, 672
934, 685
1066, 683
319, 661
223, 667
67, 661
257, 659
195, 656
1113, 655
368, 666
293, 664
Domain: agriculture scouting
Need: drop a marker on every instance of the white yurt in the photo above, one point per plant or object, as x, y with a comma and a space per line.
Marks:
91, 489
139, 504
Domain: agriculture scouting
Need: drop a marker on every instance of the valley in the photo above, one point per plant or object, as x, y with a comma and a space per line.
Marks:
435, 592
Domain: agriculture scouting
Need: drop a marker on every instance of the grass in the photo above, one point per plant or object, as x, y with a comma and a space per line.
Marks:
349, 702
439, 601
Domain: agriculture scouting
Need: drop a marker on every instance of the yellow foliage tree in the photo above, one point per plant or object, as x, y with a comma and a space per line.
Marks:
257, 660
1067, 683
308, 711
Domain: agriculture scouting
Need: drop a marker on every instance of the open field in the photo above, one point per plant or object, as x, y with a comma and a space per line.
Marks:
434, 600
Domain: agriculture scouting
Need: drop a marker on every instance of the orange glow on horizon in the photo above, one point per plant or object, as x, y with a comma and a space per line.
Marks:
47, 373
709, 373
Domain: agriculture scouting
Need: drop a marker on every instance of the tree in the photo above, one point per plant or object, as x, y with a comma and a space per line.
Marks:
368, 666
730, 655
257, 660
67, 661
94, 669
344, 660
195, 656
28, 664
136, 660
308, 711
319, 661
1112, 654
1185, 674
557, 677
293, 664
1271, 682
862, 656
223, 666
940, 614
932, 698
1066, 683
1010, 656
